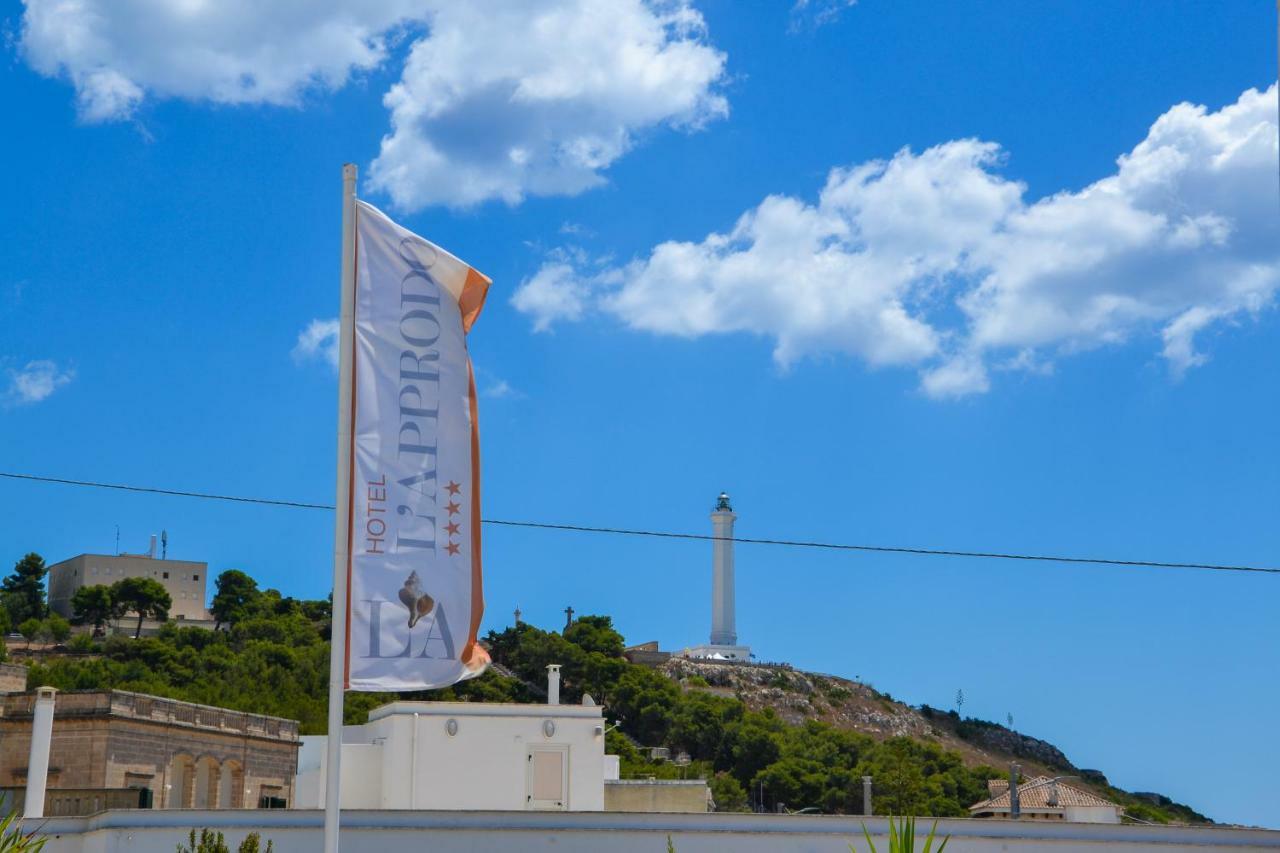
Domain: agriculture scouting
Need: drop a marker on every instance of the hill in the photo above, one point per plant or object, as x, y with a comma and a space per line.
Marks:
762, 736
798, 697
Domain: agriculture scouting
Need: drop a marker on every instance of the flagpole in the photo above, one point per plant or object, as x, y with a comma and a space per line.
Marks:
341, 516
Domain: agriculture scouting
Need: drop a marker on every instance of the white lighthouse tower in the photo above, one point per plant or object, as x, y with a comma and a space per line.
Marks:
724, 633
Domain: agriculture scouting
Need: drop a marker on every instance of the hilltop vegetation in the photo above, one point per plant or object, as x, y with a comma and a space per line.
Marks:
272, 654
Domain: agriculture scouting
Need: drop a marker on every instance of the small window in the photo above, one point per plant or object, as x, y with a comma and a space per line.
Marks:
195, 577
95, 570
166, 575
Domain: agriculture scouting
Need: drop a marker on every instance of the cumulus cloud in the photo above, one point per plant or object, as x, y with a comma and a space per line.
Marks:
318, 341
497, 99
936, 261
116, 52
36, 381
813, 14
511, 98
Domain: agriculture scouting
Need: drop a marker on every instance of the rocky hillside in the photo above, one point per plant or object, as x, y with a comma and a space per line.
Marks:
797, 696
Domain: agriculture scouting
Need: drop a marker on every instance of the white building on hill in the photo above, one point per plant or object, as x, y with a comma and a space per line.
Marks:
186, 581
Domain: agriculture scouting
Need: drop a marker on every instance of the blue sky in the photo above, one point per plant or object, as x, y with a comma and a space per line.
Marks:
874, 269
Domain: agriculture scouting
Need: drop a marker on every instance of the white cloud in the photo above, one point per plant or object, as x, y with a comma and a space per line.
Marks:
556, 292
116, 52
319, 340
36, 381
936, 261
497, 99
511, 98
813, 14
500, 389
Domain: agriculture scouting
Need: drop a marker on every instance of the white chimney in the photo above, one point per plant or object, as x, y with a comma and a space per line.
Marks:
553, 684
38, 763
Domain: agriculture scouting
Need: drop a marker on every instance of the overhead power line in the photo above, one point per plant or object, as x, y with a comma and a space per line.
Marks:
660, 534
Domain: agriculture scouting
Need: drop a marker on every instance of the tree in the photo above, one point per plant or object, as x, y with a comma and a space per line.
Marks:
728, 793
236, 595
595, 634
143, 596
23, 591
93, 605
31, 629
57, 628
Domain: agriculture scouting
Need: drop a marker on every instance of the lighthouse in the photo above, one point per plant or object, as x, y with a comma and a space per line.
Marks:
724, 632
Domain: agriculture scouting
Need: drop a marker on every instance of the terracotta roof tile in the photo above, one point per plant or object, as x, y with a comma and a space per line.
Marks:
1041, 792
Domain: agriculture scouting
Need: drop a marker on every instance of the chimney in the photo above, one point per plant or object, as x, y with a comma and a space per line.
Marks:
38, 763
553, 684
1015, 807
151, 552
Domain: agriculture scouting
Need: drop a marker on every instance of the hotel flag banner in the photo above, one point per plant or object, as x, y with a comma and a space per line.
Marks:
407, 597
414, 592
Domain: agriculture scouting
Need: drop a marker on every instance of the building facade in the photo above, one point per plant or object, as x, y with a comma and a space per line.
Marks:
185, 755
185, 580
466, 756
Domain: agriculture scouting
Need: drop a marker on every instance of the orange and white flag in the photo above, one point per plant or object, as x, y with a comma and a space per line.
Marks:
414, 581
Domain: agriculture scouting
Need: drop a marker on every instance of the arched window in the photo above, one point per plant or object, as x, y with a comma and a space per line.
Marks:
207, 782
181, 783
231, 789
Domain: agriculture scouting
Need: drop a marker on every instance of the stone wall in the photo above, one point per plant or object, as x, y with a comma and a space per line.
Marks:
13, 678
655, 795
188, 755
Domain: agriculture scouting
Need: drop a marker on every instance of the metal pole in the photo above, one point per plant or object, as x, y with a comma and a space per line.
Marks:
866, 796
341, 516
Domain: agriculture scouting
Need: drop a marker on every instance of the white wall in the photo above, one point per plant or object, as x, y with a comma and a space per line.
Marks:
1091, 814
404, 758
292, 831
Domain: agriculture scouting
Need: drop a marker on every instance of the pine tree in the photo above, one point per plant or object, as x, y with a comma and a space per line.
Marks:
23, 591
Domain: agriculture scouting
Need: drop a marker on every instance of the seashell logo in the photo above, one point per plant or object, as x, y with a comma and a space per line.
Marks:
419, 603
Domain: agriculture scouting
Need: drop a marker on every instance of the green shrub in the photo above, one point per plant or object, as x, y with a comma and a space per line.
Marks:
209, 841
82, 643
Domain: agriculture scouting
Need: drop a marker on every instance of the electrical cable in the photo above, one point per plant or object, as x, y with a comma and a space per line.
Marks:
622, 531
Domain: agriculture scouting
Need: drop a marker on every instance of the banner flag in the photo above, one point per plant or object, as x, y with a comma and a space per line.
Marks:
413, 572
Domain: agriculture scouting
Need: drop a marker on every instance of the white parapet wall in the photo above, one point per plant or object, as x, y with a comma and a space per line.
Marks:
299, 831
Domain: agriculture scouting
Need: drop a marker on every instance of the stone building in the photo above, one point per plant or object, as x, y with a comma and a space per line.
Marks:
185, 581
108, 744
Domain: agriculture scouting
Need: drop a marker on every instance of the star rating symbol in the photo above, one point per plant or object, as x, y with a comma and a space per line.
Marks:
454, 528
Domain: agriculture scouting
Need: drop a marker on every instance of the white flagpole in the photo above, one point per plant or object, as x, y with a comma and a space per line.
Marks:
341, 518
